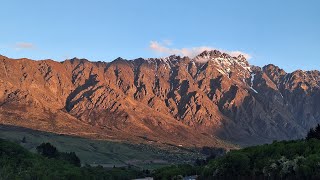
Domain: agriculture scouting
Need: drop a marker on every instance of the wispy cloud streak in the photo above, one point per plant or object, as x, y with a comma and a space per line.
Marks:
24, 45
164, 49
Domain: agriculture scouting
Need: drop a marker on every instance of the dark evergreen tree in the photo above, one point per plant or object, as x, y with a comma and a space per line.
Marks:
71, 157
314, 133
24, 140
317, 132
47, 150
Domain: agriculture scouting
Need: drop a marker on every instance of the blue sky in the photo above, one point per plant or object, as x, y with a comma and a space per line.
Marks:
285, 33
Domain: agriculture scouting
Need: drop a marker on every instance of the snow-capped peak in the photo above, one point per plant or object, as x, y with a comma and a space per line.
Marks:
223, 60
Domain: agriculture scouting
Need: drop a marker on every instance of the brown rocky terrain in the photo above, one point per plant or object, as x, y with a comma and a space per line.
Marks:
174, 100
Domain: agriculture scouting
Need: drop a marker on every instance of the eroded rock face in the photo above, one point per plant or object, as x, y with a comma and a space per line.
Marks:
174, 100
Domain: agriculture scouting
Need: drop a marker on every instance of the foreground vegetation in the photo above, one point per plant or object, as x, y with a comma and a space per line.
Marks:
286, 160
280, 160
299, 159
102, 152
18, 163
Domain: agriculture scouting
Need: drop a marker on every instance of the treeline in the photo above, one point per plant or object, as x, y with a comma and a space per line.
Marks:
18, 163
299, 159
49, 151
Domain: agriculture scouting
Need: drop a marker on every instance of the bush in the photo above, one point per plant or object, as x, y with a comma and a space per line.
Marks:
47, 150
314, 133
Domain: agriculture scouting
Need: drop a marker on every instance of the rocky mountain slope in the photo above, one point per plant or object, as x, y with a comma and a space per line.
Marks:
174, 100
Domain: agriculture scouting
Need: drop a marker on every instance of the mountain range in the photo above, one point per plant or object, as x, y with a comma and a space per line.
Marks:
213, 99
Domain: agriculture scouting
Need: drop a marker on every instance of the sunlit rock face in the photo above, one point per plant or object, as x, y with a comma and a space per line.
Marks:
195, 101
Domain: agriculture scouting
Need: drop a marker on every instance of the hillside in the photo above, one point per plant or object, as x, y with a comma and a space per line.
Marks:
208, 100
295, 159
103, 152
18, 163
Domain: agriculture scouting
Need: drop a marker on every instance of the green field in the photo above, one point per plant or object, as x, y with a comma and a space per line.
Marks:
105, 153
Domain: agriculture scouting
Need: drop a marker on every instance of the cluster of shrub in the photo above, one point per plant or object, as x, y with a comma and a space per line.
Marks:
18, 163
299, 159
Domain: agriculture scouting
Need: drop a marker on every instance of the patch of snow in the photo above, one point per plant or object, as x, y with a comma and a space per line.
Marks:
281, 95
286, 77
199, 70
220, 71
252, 78
248, 68
254, 90
251, 85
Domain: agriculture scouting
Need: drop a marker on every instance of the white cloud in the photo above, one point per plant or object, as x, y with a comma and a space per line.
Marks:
167, 42
162, 48
237, 53
24, 45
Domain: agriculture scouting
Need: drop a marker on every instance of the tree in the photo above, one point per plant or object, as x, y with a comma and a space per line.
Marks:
310, 134
200, 162
47, 150
24, 140
314, 133
71, 157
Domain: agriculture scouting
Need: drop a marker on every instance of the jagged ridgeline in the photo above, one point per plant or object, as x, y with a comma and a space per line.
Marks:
201, 101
